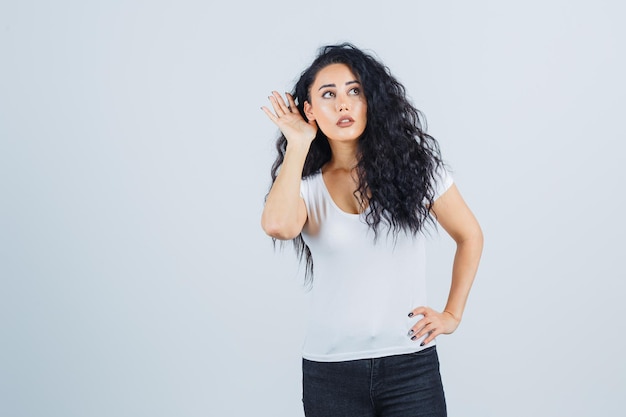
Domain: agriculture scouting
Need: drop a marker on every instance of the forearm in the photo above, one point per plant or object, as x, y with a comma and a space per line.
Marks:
464, 270
282, 217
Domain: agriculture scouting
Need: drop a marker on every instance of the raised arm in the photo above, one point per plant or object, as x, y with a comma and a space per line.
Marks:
284, 214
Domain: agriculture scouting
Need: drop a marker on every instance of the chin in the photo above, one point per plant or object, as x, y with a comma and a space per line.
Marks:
345, 135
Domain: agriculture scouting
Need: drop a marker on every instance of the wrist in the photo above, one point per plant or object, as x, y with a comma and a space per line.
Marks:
298, 146
454, 316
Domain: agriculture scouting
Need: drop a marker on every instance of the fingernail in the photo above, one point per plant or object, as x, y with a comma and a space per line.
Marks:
414, 337
410, 314
411, 332
422, 344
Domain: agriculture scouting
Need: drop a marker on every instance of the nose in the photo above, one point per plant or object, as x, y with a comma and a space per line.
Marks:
343, 106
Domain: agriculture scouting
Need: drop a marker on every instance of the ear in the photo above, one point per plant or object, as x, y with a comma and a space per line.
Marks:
308, 111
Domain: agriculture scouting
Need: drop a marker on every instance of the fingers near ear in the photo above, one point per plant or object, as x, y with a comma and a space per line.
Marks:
292, 102
269, 114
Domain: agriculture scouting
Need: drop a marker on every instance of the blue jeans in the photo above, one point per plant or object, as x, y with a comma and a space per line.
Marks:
391, 386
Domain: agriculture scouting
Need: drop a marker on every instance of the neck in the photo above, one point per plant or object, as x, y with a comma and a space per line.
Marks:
343, 155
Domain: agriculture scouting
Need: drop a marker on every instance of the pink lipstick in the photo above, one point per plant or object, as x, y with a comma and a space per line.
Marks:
345, 121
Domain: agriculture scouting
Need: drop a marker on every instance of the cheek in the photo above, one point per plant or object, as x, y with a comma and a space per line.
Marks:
363, 104
325, 115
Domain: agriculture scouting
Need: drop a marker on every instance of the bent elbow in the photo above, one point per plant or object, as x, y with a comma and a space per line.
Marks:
279, 230
470, 238
480, 237
476, 240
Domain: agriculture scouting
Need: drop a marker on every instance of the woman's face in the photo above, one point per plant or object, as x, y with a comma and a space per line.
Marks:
337, 103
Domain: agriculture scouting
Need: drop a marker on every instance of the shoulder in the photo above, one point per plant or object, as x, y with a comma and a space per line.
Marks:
310, 185
311, 180
442, 180
312, 177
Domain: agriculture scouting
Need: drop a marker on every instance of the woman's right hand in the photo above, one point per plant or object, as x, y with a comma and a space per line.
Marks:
289, 120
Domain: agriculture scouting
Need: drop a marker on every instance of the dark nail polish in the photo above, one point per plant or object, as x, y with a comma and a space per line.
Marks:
422, 344
410, 314
414, 337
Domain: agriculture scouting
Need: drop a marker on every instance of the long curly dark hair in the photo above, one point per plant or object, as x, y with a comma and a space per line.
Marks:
397, 159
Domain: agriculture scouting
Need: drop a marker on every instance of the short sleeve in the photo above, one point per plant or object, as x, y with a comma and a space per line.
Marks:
304, 186
442, 181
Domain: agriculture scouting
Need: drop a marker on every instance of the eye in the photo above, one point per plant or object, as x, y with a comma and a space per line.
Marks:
354, 91
328, 94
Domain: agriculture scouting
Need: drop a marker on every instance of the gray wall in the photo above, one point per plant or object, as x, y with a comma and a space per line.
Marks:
135, 279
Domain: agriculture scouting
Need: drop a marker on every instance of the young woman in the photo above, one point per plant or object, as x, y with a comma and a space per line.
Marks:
355, 183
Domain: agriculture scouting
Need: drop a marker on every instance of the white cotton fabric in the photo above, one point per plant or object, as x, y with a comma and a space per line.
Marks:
362, 290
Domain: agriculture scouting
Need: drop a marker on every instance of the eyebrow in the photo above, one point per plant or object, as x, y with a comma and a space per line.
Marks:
333, 85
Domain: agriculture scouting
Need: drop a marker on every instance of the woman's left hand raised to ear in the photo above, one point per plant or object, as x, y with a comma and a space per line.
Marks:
433, 323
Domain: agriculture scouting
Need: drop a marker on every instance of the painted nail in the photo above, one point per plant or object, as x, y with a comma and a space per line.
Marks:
410, 314
411, 333
414, 337
422, 344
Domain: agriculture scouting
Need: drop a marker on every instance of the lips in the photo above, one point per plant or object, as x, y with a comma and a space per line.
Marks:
345, 121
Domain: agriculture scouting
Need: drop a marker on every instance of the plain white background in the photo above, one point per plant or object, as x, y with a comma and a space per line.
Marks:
135, 279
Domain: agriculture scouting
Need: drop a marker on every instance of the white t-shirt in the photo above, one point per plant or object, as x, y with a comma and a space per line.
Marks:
362, 290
